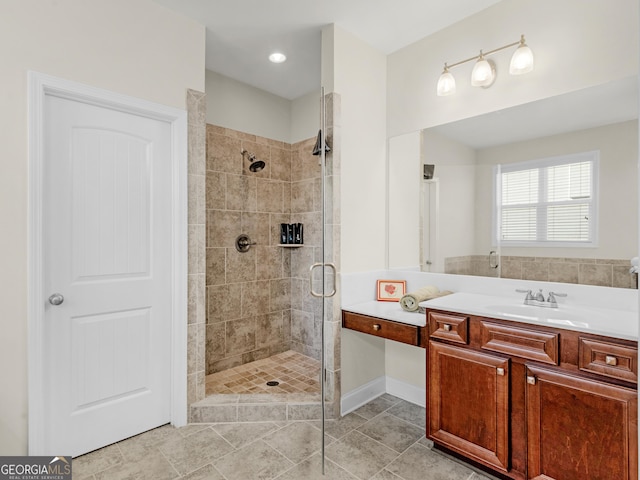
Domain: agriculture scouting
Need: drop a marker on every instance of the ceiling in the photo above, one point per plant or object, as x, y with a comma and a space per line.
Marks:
242, 33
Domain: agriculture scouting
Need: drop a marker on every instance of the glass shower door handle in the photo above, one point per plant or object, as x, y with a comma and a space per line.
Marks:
333, 288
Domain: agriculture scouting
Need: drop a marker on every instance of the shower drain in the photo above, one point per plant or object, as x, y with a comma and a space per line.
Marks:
273, 383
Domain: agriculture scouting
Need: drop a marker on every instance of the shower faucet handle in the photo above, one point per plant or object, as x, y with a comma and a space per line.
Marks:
243, 243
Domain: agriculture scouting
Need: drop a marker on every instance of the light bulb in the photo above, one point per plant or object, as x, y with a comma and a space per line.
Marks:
446, 83
277, 57
483, 73
522, 59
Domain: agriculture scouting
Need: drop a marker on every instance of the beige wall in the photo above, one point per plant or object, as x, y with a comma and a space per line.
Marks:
404, 177
357, 72
133, 47
360, 78
238, 106
576, 44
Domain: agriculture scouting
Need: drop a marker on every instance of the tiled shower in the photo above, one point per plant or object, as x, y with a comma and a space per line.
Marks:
258, 302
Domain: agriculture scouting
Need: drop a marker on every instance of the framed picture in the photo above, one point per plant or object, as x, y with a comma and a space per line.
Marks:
391, 290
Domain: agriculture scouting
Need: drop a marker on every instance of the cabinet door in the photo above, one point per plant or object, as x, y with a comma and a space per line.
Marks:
468, 403
580, 429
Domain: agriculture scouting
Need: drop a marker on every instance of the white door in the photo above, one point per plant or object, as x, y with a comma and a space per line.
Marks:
107, 255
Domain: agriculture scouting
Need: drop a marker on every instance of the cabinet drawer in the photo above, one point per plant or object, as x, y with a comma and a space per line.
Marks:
520, 342
608, 359
449, 327
400, 332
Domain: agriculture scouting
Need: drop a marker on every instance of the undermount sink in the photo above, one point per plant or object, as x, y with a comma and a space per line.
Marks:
563, 315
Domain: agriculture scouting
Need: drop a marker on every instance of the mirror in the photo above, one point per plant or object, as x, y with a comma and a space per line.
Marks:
455, 208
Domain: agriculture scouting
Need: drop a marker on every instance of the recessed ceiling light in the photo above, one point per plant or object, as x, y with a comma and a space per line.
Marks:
277, 57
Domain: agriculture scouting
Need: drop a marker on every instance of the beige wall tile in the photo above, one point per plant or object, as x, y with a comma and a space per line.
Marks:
255, 298
596, 275
256, 225
224, 154
216, 188
225, 364
241, 266
241, 193
538, 271
222, 228
216, 266
269, 330
281, 164
269, 262
270, 196
215, 345
196, 121
196, 299
196, 199
258, 354
302, 196
564, 272
302, 327
280, 294
196, 249
223, 302
622, 278
240, 336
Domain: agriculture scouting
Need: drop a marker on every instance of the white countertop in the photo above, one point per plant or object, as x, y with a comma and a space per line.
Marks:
388, 311
609, 322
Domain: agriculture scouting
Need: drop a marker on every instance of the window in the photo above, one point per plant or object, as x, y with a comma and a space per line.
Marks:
547, 202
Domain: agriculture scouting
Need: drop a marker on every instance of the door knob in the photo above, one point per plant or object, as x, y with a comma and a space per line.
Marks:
56, 299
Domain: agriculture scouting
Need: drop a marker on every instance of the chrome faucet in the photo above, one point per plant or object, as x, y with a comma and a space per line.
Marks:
538, 299
551, 300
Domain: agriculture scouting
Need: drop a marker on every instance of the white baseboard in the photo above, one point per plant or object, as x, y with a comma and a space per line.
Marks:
362, 395
406, 391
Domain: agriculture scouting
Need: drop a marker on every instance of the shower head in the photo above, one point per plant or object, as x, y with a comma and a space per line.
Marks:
256, 165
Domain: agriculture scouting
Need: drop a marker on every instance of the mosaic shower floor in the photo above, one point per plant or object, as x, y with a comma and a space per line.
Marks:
293, 372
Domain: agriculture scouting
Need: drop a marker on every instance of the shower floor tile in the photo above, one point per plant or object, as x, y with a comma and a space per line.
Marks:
294, 372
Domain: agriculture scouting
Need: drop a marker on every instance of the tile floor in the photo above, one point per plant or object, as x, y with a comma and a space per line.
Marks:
383, 440
295, 373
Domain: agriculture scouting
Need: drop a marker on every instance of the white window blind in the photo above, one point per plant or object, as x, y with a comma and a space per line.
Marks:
547, 202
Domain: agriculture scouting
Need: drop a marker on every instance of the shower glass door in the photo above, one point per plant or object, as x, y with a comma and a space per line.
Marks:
323, 273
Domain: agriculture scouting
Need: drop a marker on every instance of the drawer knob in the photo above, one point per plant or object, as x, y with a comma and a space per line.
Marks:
446, 327
376, 326
611, 360
531, 380
500, 371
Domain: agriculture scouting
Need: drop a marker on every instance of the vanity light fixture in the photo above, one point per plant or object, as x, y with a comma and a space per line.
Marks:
483, 73
277, 57
446, 83
484, 70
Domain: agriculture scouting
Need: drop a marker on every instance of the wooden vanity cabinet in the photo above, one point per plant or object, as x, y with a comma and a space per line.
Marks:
579, 428
532, 402
469, 409
378, 327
